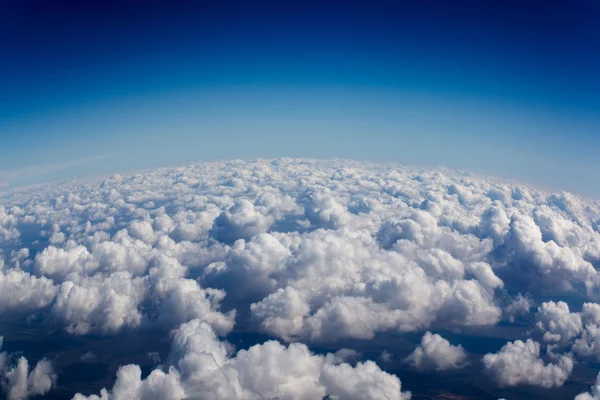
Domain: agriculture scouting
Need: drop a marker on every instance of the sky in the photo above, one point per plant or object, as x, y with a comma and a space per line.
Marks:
507, 88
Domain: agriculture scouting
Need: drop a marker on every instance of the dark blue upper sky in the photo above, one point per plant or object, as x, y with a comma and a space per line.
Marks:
504, 87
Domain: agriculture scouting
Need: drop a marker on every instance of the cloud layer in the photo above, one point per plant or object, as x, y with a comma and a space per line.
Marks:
200, 366
307, 252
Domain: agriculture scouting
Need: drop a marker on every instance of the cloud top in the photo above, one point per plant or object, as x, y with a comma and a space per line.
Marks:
308, 252
437, 353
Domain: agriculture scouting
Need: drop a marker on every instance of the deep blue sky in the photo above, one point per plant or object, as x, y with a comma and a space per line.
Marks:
505, 87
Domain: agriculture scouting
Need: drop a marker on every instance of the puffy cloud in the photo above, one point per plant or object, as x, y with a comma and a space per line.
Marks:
594, 394
303, 250
588, 344
143, 231
557, 323
325, 211
344, 285
436, 353
19, 382
519, 363
437, 223
200, 366
104, 304
183, 299
544, 266
110, 303
129, 385
21, 291
242, 221
581, 329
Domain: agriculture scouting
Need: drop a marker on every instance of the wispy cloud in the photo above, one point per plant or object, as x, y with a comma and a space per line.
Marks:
10, 177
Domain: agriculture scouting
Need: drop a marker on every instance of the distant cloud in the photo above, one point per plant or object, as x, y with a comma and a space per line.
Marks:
8, 178
89, 357
437, 353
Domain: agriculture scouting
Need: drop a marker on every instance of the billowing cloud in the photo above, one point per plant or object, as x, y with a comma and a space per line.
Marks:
200, 366
21, 291
557, 323
19, 382
519, 363
588, 344
594, 393
307, 252
437, 353
580, 330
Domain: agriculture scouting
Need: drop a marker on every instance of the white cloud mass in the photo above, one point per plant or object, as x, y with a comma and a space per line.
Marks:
594, 394
520, 363
307, 252
200, 366
437, 353
557, 323
19, 382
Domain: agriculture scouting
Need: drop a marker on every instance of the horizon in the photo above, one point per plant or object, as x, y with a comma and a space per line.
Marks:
501, 88
250, 200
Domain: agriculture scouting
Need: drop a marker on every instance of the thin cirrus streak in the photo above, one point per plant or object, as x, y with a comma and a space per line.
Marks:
10, 177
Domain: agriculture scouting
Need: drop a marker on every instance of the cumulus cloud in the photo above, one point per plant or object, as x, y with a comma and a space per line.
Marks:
344, 285
21, 291
19, 382
557, 323
338, 234
242, 221
588, 344
519, 363
594, 393
200, 365
437, 353
306, 251
580, 330
103, 304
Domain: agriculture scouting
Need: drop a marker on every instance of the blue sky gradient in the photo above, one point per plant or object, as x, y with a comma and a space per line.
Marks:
501, 87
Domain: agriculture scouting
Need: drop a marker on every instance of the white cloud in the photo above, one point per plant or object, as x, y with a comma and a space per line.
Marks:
242, 221
21, 291
581, 329
313, 251
519, 363
100, 304
19, 382
356, 289
201, 366
437, 353
557, 323
594, 393
588, 345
